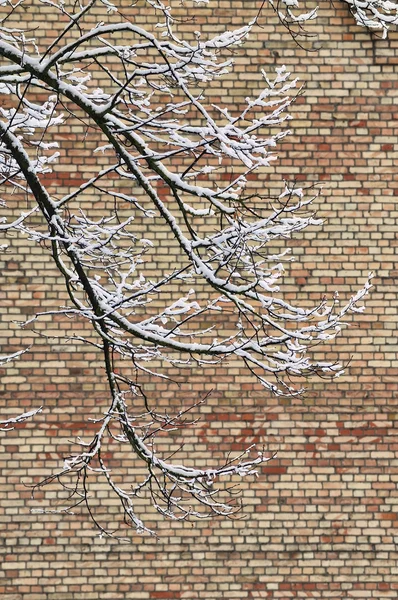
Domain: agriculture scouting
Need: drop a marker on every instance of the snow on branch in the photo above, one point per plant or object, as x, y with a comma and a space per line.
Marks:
177, 160
8, 424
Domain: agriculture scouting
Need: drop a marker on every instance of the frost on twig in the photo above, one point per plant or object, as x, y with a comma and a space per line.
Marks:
173, 156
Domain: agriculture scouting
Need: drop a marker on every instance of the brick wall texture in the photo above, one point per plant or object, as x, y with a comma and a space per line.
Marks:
322, 518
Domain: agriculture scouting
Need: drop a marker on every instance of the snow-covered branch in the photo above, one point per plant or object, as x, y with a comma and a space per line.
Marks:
173, 157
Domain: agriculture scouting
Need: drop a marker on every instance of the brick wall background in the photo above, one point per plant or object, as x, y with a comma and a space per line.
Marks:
322, 518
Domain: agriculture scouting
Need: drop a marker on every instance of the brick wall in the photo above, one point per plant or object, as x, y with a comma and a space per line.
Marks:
321, 519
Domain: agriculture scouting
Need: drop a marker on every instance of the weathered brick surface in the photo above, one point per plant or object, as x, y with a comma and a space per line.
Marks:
322, 518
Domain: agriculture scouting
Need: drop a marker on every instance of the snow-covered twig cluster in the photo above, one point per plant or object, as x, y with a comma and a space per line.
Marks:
172, 155
376, 15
